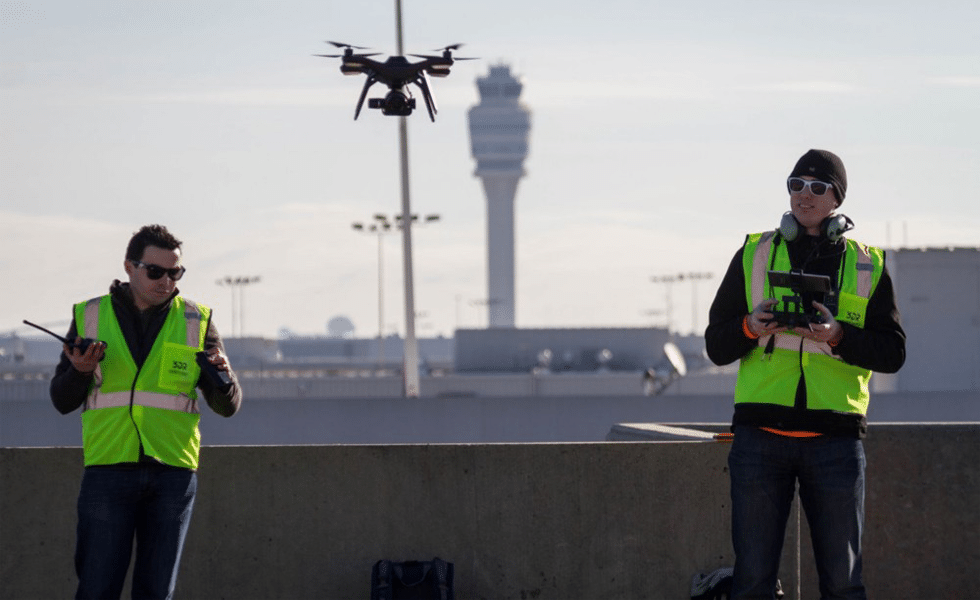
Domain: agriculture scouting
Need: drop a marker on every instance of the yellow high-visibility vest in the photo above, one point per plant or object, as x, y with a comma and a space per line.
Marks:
831, 383
153, 406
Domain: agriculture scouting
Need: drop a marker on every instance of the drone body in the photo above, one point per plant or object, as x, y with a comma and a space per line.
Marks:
397, 73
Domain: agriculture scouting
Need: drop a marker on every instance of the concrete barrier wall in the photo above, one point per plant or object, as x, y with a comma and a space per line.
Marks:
547, 521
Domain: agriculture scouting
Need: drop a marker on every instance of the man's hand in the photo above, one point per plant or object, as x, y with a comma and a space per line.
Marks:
828, 331
760, 321
218, 359
85, 362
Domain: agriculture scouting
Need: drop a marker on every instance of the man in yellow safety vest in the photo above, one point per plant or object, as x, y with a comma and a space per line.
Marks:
809, 314
137, 386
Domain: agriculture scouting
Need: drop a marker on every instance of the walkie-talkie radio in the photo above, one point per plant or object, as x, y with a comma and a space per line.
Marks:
82, 345
218, 377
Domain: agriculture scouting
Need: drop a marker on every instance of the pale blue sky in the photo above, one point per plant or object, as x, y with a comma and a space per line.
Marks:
661, 134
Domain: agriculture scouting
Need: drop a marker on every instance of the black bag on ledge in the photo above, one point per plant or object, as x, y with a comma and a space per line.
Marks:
412, 580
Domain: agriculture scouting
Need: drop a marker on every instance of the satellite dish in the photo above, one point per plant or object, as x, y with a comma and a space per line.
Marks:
672, 367
340, 327
544, 362
604, 357
675, 358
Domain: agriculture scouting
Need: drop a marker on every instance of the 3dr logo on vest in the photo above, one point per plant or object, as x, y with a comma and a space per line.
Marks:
178, 372
853, 316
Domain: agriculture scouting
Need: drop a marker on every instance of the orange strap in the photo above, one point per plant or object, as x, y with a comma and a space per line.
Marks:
745, 329
793, 434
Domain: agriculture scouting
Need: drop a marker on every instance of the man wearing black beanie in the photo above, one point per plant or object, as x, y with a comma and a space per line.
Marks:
801, 397
823, 166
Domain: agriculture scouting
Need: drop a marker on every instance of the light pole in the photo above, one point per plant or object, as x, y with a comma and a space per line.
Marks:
382, 225
411, 361
667, 280
237, 305
489, 303
695, 277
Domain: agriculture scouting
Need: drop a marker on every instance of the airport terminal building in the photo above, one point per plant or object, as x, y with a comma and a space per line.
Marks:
525, 385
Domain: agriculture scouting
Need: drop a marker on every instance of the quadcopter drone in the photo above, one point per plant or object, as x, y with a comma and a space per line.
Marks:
397, 73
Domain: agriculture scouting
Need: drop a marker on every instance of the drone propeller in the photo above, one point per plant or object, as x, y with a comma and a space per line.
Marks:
348, 55
343, 45
429, 56
446, 53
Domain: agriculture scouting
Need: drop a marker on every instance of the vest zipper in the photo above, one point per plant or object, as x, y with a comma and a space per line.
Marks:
132, 401
801, 400
141, 330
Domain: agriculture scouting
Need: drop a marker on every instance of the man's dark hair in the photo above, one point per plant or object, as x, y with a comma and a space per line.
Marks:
150, 235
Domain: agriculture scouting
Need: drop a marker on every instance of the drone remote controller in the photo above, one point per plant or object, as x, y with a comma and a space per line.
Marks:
82, 344
806, 288
218, 377
794, 319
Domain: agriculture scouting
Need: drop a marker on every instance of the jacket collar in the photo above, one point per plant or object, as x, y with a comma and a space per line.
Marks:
123, 296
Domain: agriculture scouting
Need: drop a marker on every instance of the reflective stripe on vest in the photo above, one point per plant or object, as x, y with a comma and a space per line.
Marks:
113, 399
760, 266
92, 332
792, 342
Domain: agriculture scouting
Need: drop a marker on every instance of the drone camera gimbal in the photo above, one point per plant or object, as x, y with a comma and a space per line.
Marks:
395, 103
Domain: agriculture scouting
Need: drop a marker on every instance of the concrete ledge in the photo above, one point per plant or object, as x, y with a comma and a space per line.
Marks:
547, 521
651, 432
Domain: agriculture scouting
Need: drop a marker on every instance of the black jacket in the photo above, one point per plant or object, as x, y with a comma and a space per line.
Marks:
879, 346
69, 388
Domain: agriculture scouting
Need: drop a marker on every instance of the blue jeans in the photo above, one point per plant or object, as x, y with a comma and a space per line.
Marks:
115, 505
764, 469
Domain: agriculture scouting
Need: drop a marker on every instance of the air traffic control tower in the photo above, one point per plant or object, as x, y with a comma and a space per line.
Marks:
499, 127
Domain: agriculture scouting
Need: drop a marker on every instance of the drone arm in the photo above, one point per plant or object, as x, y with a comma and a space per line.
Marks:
371, 79
430, 102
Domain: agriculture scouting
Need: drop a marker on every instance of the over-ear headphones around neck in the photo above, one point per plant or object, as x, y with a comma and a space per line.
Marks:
832, 228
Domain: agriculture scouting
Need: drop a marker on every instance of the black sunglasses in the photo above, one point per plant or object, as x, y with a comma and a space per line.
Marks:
156, 271
796, 185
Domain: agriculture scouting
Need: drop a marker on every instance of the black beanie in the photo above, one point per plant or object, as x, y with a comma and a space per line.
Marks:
825, 166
